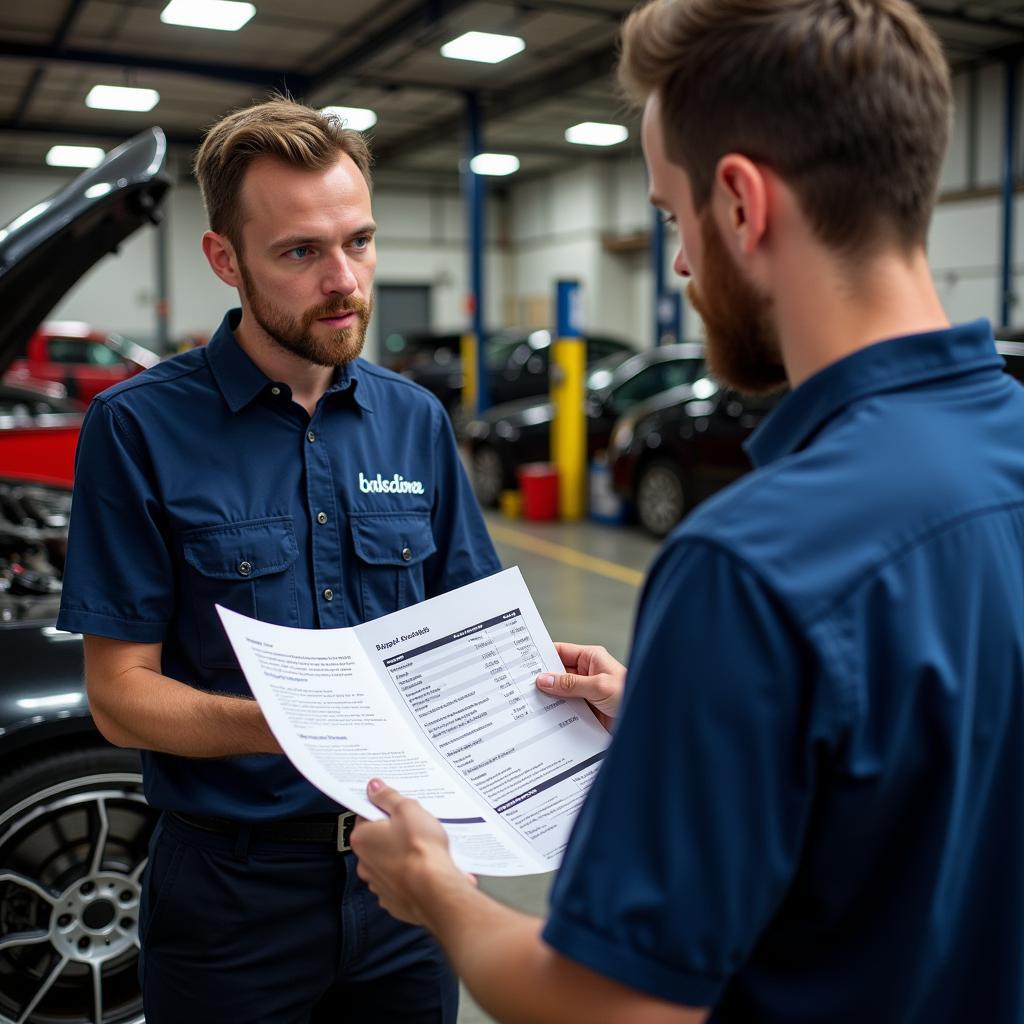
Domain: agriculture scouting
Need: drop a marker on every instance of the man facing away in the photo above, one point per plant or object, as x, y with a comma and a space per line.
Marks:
231, 475
810, 809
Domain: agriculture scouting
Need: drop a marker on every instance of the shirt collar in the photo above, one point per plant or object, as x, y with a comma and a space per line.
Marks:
885, 366
240, 380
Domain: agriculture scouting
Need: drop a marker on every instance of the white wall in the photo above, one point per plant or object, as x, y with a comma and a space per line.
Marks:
557, 224
422, 240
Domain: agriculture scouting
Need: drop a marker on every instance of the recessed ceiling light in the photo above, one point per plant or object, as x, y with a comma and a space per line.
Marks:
356, 118
595, 133
121, 97
74, 156
223, 15
494, 163
486, 47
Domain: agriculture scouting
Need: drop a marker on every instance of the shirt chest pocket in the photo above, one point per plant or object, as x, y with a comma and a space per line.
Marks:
390, 552
247, 567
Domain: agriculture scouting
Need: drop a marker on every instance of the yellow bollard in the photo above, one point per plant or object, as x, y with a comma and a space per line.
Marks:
569, 426
467, 349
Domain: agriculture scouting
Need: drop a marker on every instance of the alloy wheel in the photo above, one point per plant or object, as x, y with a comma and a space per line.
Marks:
72, 857
660, 498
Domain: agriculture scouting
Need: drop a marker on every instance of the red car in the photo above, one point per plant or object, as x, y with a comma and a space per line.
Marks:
85, 361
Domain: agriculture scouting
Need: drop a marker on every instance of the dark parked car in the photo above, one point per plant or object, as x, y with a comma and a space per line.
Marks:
411, 353
670, 454
74, 825
510, 435
679, 448
517, 367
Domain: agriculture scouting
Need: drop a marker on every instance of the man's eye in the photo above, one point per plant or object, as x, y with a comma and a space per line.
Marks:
362, 242
300, 252
668, 219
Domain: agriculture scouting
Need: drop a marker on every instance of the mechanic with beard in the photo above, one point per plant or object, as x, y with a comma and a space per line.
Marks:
246, 474
810, 810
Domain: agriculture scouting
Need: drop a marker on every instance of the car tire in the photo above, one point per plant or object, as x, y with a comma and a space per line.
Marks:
74, 838
488, 475
661, 497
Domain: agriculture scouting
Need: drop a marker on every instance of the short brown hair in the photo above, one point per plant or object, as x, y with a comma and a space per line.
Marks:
849, 101
281, 128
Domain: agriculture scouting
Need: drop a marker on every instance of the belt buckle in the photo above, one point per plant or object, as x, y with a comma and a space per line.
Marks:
346, 822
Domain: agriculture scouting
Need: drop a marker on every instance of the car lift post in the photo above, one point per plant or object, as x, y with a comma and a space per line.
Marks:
476, 387
569, 424
1007, 294
668, 304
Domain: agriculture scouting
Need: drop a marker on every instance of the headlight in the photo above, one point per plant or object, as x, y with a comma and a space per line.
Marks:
622, 437
507, 431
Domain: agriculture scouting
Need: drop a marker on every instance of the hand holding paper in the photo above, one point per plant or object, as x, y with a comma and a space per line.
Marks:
439, 700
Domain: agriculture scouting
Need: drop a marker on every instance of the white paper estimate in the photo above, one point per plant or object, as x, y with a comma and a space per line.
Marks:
439, 701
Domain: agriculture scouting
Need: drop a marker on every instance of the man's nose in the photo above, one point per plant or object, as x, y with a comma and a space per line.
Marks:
339, 278
680, 264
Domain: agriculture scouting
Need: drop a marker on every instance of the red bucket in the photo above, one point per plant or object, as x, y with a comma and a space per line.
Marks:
538, 482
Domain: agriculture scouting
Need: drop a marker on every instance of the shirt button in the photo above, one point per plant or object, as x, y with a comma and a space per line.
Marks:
328, 594
311, 436
244, 568
275, 390
406, 554
321, 518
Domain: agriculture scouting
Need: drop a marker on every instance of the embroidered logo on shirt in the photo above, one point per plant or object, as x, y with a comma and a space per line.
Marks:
389, 485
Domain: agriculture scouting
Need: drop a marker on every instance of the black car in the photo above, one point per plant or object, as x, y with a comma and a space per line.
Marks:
670, 454
510, 435
517, 367
74, 826
678, 449
411, 352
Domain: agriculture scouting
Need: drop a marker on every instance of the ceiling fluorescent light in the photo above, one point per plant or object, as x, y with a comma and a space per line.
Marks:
121, 97
594, 133
494, 163
356, 118
223, 15
486, 47
74, 156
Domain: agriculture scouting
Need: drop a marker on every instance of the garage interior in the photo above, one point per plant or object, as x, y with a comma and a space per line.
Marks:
460, 251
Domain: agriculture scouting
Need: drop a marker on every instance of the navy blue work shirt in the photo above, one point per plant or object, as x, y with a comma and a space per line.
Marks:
201, 482
811, 809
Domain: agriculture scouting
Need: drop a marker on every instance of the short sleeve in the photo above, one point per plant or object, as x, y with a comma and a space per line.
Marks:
464, 552
118, 577
693, 828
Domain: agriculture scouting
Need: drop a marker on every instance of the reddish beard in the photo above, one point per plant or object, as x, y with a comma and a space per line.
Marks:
298, 335
742, 345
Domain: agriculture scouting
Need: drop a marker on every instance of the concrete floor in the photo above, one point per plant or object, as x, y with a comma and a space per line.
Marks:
584, 578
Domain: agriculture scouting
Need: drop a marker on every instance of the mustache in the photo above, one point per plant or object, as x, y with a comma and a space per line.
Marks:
346, 304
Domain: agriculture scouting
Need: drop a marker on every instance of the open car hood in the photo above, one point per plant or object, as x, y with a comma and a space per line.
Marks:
45, 250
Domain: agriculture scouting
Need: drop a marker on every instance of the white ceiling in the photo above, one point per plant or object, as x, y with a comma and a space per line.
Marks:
367, 53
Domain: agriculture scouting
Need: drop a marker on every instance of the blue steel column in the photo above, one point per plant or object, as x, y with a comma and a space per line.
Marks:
475, 209
668, 307
658, 267
1009, 189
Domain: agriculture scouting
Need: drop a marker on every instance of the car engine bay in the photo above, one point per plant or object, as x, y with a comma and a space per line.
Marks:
33, 545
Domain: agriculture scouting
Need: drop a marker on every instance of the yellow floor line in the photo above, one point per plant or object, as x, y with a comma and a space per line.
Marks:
568, 556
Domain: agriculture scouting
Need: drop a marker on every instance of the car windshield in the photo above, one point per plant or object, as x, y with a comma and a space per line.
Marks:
501, 346
601, 374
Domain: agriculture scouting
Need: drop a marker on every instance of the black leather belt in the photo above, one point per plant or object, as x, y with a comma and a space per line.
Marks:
335, 829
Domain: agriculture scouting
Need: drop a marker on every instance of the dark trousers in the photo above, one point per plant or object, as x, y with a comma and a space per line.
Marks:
277, 933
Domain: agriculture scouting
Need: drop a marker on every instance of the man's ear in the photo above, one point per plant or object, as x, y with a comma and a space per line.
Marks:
221, 256
741, 202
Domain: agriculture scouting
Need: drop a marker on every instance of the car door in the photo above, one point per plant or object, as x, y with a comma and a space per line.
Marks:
717, 447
